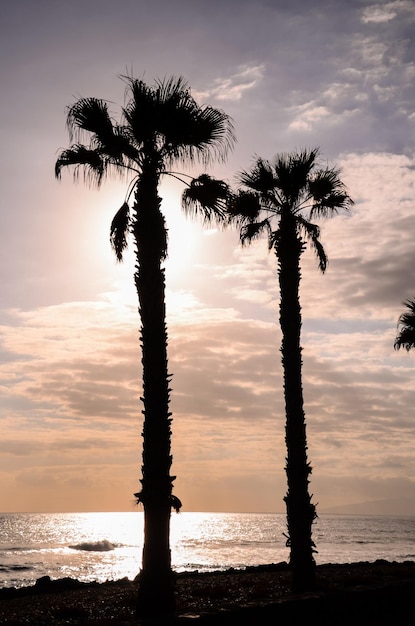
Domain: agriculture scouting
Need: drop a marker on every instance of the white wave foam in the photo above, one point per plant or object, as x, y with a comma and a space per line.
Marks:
94, 546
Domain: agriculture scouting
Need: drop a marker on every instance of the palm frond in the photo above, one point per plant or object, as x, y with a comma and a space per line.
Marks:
187, 130
206, 196
259, 178
244, 206
292, 172
320, 253
141, 110
312, 232
120, 148
119, 230
328, 193
91, 115
405, 339
81, 157
254, 230
112, 141
406, 336
171, 89
192, 133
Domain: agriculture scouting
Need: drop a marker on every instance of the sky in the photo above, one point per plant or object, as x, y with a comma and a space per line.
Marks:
330, 74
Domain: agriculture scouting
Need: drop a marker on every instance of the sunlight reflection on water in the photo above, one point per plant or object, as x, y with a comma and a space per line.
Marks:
226, 540
108, 546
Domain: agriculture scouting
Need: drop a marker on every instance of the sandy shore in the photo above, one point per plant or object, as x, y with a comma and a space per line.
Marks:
359, 593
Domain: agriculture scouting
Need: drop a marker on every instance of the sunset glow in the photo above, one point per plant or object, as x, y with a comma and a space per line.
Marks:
340, 76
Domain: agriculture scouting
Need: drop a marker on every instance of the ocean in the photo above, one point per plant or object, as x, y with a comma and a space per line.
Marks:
107, 546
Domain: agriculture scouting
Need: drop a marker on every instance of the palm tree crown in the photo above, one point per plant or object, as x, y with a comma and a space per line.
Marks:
293, 187
160, 125
406, 335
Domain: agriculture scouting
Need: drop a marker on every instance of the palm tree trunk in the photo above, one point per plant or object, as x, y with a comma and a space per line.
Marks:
156, 589
300, 510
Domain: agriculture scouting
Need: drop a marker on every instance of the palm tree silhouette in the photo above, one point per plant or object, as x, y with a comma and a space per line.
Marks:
406, 335
280, 199
160, 125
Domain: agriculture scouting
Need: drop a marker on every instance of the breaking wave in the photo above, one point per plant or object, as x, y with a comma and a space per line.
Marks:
94, 546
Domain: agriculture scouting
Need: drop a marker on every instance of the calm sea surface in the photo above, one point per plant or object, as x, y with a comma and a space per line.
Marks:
107, 546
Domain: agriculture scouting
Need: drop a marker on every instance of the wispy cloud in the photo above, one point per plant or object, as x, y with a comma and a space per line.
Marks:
307, 115
235, 86
379, 13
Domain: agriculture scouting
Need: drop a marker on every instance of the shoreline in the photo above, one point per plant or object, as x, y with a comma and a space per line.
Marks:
379, 592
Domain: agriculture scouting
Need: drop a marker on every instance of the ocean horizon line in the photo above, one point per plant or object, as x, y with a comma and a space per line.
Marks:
325, 512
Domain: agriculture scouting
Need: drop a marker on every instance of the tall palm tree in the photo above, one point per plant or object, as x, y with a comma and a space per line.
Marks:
406, 335
280, 199
160, 125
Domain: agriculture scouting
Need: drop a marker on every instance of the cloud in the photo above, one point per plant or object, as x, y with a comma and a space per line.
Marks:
83, 412
307, 115
371, 251
227, 402
368, 80
380, 13
234, 87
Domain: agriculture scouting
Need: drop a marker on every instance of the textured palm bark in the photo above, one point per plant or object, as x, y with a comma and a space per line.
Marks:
300, 510
156, 591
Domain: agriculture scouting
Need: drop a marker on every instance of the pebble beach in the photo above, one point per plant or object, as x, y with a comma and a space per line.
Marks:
360, 593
